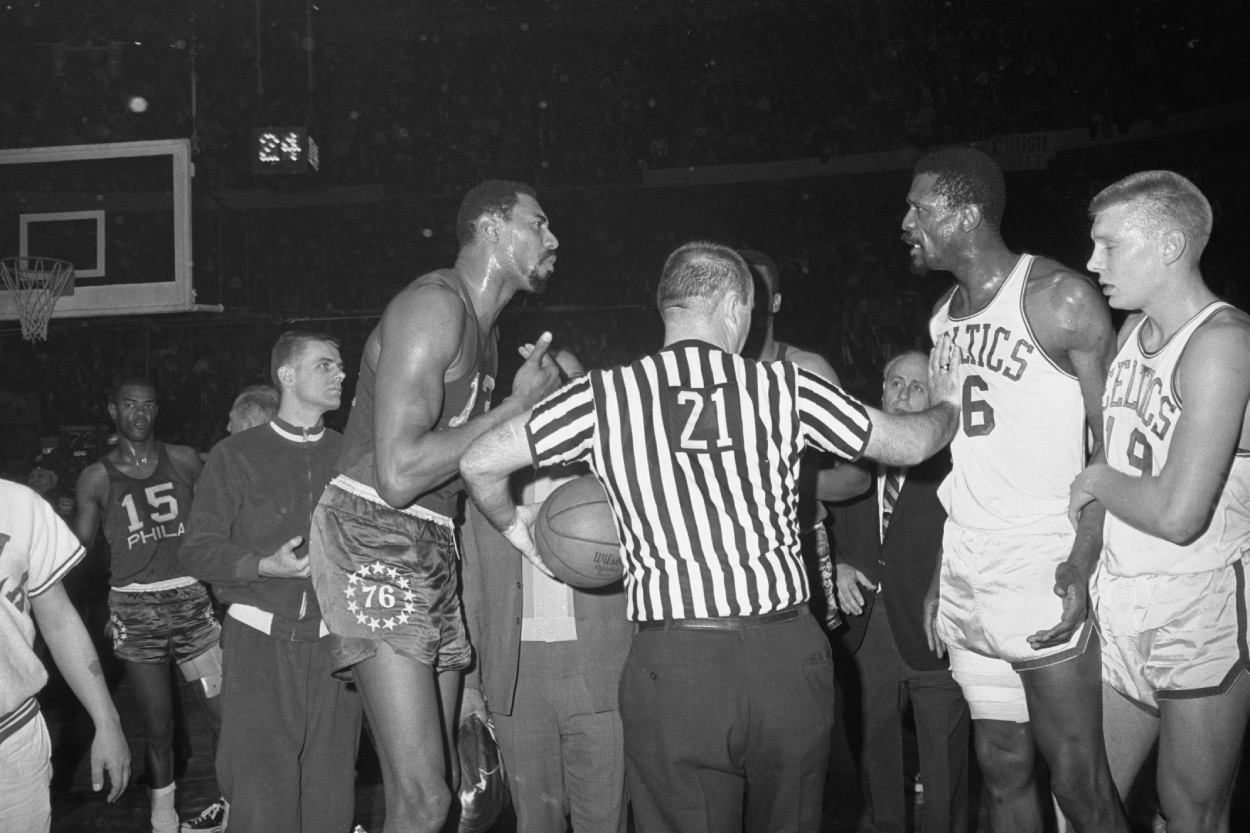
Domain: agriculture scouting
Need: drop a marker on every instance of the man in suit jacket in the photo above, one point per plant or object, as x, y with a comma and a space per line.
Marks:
547, 662
887, 549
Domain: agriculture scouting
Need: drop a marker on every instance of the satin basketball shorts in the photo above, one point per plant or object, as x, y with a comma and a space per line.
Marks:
161, 625
1173, 637
998, 589
384, 575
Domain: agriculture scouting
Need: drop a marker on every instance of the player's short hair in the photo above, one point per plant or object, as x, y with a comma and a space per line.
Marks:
256, 404
496, 197
699, 273
764, 266
967, 176
1160, 201
898, 357
130, 382
289, 346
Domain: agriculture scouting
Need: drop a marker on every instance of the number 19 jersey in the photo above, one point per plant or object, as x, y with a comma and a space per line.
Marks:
144, 521
1140, 410
1022, 421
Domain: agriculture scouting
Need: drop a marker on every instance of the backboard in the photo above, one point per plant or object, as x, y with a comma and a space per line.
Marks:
121, 213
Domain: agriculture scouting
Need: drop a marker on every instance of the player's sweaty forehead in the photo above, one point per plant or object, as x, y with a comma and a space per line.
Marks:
135, 395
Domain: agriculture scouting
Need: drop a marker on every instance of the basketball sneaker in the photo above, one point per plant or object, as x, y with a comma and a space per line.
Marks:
212, 820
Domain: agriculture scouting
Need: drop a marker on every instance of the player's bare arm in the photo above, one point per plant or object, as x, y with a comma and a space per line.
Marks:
89, 495
1073, 325
419, 341
78, 663
186, 460
1213, 380
842, 482
932, 598
814, 363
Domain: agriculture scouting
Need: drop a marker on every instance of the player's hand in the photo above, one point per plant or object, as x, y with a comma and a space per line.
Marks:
1070, 586
284, 563
945, 362
111, 753
1079, 494
472, 702
929, 617
850, 600
521, 536
538, 376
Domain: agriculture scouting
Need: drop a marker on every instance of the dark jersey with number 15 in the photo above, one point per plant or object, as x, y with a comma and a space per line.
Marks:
144, 521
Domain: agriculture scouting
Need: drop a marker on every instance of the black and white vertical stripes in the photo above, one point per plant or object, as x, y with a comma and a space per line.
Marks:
699, 451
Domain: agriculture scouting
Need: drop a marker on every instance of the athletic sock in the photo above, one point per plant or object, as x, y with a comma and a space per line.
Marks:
164, 816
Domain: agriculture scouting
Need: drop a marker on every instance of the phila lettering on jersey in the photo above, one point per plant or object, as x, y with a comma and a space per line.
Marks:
1022, 426
144, 521
1140, 410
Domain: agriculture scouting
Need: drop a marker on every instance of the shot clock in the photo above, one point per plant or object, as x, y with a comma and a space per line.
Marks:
283, 150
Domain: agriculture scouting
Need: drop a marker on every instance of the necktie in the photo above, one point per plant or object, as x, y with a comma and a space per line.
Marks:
889, 496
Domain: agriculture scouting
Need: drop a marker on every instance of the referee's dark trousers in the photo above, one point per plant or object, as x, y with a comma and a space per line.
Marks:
727, 726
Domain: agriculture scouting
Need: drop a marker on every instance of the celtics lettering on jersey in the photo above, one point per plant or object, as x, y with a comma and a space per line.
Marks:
1022, 418
1137, 387
987, 349
152, 514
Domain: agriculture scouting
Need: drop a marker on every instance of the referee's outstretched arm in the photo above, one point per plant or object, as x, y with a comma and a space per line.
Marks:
910, 439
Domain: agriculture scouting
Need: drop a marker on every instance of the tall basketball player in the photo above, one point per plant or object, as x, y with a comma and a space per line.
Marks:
382, 548
1170, 593
157, 613
1036, 341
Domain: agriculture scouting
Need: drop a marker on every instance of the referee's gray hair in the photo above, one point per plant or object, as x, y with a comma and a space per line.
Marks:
1160, 201
256, 404
699, 273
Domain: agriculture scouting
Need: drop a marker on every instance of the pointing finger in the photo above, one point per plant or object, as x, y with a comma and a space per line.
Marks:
540, 349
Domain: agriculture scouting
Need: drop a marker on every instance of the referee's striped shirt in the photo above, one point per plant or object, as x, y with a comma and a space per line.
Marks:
699, 451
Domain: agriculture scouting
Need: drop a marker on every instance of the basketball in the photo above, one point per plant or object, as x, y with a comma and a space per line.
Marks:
576, 535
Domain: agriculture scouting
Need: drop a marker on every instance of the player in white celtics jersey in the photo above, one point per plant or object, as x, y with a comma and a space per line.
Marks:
1036, 340
1170, 593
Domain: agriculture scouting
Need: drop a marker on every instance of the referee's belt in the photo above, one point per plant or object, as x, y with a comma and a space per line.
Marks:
726, 623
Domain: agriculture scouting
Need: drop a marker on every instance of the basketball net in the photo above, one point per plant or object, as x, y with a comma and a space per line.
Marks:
36, 284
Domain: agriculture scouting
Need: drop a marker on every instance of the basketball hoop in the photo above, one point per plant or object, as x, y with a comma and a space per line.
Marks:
36, 284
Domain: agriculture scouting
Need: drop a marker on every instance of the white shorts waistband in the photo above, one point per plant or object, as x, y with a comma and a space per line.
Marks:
168, 584
369, 493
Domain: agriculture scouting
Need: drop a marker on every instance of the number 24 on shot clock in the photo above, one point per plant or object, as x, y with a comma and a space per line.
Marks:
283, 150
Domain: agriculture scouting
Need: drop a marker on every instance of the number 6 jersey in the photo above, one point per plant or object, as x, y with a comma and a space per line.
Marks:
144, 521
1140, 410
1022, 420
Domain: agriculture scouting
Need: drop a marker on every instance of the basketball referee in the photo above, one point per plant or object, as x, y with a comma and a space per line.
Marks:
728, 690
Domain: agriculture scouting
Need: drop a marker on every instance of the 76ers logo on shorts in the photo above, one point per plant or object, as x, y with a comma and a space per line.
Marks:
379, 597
